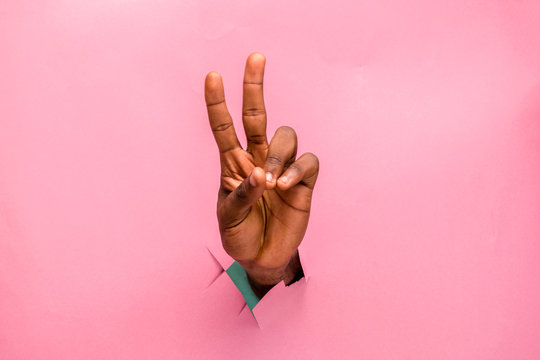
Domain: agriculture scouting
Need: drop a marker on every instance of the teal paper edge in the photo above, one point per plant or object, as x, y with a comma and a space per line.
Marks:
238, 276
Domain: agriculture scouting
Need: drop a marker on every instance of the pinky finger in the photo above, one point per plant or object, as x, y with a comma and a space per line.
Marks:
304, 170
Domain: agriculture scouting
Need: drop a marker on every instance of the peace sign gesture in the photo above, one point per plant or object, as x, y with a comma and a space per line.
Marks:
265, 192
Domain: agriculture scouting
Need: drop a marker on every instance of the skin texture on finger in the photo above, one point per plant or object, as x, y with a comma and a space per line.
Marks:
218, 114
253, 109
281, 153
304, 170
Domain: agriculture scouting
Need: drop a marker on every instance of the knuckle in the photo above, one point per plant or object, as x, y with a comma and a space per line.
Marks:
253, 112
222, 127
257, 139
210, 105
274, 160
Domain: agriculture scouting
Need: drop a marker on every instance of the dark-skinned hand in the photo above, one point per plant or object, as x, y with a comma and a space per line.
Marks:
265, 192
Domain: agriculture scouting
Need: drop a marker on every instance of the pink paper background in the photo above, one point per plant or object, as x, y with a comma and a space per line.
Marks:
424, 241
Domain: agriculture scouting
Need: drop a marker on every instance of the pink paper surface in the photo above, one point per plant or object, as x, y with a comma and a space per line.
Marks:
424, 239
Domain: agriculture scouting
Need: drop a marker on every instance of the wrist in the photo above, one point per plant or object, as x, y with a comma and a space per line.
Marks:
262, 279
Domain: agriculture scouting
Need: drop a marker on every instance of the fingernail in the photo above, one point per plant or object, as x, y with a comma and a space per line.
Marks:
269, 177
252, 180
283, 180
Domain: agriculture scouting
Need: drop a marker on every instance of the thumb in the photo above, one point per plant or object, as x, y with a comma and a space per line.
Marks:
238, 203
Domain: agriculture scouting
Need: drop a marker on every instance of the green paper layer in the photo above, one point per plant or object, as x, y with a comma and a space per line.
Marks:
239, 277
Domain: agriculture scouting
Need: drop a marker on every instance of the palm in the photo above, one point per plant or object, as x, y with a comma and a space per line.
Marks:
262, 221
279, 217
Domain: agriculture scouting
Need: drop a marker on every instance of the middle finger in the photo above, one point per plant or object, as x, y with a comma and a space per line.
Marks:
253, 109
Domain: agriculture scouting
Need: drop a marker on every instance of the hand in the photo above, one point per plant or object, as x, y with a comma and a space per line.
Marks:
264, 198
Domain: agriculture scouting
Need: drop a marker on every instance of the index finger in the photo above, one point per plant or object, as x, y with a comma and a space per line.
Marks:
218, 114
